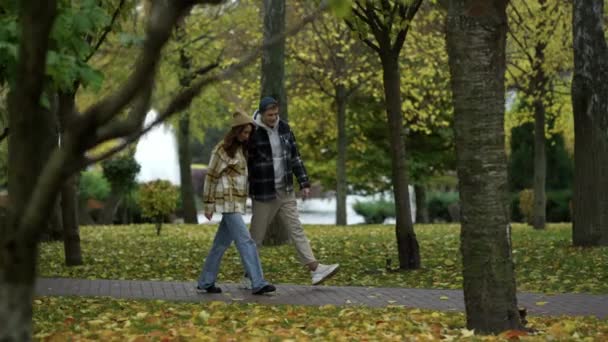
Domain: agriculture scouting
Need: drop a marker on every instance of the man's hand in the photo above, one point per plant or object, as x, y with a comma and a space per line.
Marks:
305, 193
209, 215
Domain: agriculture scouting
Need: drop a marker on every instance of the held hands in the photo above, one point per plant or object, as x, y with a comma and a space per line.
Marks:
305, 193
209, 215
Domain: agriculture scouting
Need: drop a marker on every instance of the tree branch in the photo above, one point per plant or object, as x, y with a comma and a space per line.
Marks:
164, 16
183, 99
106, 30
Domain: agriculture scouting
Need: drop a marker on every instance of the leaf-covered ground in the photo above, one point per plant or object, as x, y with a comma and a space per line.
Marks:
104, 319
545, 260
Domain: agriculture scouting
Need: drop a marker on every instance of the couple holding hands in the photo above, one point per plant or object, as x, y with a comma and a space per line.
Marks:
259, 157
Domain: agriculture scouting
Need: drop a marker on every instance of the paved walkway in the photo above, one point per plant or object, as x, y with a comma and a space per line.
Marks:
444, 300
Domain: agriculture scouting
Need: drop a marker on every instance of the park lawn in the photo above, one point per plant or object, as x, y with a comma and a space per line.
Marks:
545, 261
107, 319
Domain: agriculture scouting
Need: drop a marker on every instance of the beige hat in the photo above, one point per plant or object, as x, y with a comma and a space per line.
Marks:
238, 119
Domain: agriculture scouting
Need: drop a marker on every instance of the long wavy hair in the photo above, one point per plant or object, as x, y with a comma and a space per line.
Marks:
232, 143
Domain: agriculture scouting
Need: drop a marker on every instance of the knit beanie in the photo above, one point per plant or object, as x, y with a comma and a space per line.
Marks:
266, 102
238, 119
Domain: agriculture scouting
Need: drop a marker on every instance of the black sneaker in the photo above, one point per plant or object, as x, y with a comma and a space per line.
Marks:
265, 289
210, 289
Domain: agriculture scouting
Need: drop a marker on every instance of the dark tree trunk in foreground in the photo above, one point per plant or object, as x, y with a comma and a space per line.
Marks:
590, 105
273, 84
27, 146
476, 37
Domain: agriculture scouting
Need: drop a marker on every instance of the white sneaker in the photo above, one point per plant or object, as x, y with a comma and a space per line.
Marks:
246, 283
323, 272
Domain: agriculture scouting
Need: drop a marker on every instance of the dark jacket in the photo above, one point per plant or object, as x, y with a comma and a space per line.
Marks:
261, 169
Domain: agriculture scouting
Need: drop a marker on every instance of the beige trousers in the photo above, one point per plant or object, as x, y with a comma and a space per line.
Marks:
285, 208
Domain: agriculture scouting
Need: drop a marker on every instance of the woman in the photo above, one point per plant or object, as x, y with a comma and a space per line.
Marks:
225, 191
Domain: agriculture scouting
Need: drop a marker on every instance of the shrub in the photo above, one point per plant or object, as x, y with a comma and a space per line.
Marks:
375, 212
157, 199
558, 206
439, 205
526, 204
93, 185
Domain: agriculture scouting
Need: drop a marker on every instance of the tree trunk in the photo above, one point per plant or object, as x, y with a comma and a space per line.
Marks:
273, 84
185, 159
590, 105
69, 197
110, 206
84, 217
17, 277
540, 166
540, 93
341, 182
273, 57
159, 225
407, 244
71, 233
29, 148
476, 37
422, 211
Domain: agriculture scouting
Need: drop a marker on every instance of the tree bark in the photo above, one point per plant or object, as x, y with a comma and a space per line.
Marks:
341, 181
540, 166
422, 211
540, 92
71, 233
110, 206
27, 155
273, 84
69, 197
407, 243
185, 159
590, 105
476, 41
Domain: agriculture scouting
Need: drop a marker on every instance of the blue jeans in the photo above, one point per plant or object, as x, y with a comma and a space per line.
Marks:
233, 228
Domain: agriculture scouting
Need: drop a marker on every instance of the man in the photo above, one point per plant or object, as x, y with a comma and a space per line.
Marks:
273, 160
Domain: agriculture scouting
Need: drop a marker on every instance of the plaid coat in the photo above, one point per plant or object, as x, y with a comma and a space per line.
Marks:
261, 168
225, 189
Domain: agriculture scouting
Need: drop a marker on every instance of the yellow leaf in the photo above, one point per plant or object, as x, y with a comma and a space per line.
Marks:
444, 298
541, 303
448, 262
203, 316
96, 322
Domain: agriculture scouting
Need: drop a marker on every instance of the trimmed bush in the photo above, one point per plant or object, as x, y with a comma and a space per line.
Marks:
375, 212
93, 185
157, 200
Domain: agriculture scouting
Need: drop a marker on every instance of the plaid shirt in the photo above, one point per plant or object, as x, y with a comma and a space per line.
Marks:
225, 189
261, 168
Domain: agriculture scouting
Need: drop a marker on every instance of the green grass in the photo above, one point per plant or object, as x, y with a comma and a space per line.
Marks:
107, 319
545, 261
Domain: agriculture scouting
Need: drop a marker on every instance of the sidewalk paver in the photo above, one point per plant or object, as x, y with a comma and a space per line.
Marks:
434, 299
